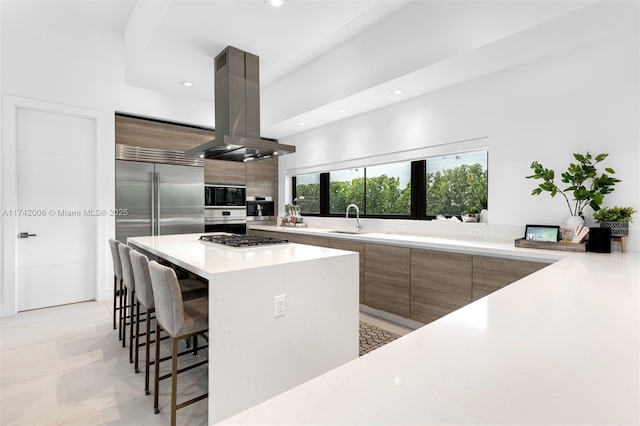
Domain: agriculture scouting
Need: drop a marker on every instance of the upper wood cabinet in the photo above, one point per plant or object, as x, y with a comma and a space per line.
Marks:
440, 283
387, 278
156, 134
493, 273
262, 176
224, 172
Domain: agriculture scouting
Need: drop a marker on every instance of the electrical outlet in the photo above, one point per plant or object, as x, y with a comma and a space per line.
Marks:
279, 306
402, 228
476, 232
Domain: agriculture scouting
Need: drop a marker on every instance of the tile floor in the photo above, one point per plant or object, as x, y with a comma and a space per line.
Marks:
65, 366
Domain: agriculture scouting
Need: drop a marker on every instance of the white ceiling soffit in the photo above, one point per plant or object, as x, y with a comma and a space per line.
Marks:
319, 56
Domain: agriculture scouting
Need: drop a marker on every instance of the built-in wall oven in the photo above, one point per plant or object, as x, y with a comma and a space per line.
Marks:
260, 208
225, 209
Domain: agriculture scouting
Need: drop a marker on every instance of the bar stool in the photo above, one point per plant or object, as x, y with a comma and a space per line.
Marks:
144, 297
179, 319
117, 282
129, 289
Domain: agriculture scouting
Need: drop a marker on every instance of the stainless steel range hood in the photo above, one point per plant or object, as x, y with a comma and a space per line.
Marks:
237, 110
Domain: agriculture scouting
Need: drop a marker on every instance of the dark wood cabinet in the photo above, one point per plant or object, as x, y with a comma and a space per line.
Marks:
387, 278
440, 283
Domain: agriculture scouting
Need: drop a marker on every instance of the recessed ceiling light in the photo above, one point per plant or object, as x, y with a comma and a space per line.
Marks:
301, 124
341, 110
398, 92
186, 83
275, 3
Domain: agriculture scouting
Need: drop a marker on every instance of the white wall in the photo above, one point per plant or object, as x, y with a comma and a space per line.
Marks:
57, 70
586, 99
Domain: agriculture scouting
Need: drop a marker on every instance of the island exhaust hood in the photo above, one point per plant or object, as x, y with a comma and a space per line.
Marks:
237, 112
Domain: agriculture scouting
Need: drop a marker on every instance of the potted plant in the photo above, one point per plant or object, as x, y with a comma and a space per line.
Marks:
586, 186
471, 214
615, 218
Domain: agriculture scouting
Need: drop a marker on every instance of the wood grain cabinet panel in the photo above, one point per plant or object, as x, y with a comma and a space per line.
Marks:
314, 241
358, 248
159, 135
214, 171
387, 278
440, 283
493, 273
292, 238
262, 177
235, 173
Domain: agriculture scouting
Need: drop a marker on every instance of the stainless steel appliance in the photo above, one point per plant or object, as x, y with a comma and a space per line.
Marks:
231, 219
160, 190
260, 208
224, 196
237, 112
243, 240
225, 209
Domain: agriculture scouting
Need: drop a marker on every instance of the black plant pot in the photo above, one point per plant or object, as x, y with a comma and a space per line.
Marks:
618, 229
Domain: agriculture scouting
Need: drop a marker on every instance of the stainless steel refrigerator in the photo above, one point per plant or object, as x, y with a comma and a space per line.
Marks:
158, 198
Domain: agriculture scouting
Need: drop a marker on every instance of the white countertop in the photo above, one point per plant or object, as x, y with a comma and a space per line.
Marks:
561, 346
206, 259
469, 246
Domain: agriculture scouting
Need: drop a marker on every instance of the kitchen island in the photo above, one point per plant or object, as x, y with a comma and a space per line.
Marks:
253, 355
560, 346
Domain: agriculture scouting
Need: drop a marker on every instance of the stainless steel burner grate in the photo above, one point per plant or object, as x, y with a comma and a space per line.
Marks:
237, 240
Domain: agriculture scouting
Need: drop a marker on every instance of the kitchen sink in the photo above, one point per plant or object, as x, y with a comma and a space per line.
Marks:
347, 232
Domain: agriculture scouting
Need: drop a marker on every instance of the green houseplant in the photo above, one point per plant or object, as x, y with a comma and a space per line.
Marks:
585, 184
615, 218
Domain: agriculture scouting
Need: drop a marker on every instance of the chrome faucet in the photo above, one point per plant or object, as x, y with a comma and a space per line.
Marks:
358, 226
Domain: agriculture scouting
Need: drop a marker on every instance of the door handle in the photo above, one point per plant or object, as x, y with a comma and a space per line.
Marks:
25, 235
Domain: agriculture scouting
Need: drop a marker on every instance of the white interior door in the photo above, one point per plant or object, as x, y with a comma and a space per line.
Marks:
56, 202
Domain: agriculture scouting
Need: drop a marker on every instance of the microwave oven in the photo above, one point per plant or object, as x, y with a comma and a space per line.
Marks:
224, 196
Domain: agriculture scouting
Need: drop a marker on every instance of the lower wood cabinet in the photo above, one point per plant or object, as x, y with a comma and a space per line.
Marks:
352, 246
387, 278
440, 283
423, 285
493, 273
314, 241
293, 238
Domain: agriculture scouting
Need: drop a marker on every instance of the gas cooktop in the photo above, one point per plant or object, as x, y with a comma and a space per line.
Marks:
239, 240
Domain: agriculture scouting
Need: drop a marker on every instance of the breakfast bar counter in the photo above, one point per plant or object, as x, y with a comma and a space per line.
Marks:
254, 355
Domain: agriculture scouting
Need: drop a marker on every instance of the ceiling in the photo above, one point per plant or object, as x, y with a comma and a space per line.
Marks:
317, 57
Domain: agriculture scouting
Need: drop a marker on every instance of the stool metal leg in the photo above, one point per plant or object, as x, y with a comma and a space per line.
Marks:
147, 352
156, 384
132, 303
174, 380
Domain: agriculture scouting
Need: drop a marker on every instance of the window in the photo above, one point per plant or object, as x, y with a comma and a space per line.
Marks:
345, 187
307, 191
388, 189
456, 184
448, 185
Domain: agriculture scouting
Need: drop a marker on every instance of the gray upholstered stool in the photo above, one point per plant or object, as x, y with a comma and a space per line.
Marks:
180, 320
117, 283
144, 297
129, 292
